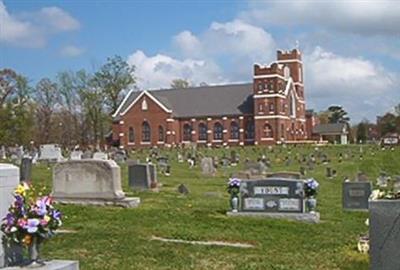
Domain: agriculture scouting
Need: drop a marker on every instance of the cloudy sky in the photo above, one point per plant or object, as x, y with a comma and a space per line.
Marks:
351, 50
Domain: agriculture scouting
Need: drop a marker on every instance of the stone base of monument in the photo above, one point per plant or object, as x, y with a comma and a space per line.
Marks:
384, 234
51, 265
303, 217
130, 202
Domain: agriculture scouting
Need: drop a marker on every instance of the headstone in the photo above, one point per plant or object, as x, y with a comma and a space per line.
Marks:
87, 154
361, 177
100, 155
51, 265
302, 171
396, 185
384, 234
329, 173
9, 180
90, 181
120, 156
50, 152
182, 189
355, 195
141, 176
382, 180
76, 155
207, 166
26, 169
3, 152
276, 198
272, 195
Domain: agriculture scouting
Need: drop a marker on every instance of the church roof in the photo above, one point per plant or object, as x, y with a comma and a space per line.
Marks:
221, 100
330, 129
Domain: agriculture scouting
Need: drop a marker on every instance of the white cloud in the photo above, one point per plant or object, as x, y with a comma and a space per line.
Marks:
57, 19
362, 17
158, 71
234, 38
71, 51
19, 32
235, 43
364, 88
34, 28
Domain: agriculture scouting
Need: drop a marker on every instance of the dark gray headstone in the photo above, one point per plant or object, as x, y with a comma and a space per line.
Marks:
141, 176
272, 195
384, 233
25, 170
355, 195
182, 189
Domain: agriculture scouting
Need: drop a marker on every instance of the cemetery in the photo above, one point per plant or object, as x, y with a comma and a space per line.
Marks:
199, 135
193, 222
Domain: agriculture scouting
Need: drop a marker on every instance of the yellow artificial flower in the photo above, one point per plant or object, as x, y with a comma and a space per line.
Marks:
46, 218
21, 190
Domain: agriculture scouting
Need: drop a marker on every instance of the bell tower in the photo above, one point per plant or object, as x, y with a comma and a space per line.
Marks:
279, 107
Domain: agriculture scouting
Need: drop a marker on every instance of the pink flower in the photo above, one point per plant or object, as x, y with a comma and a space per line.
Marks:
22, 222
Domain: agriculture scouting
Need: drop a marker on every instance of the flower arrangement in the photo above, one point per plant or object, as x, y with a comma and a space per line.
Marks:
234, 186
30, 218
311, 187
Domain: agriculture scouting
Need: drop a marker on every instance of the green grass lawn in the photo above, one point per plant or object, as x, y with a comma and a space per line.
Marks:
117, 238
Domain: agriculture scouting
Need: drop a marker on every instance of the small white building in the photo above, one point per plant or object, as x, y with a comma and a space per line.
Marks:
336, 132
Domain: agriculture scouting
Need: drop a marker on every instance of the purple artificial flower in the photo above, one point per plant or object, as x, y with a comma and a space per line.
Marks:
10, 219
312, 183
41, 208
234, 182
56, 215
32, 225
19, 201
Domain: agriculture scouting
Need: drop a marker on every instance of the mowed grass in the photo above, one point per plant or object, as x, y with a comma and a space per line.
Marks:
117, 238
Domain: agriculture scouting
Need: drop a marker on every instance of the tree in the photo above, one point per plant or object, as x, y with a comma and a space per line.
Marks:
179, 84
387, 124
46, 98
8, 84
362, 132
323, 117
113, 77
337, 115
16, 115
397, 110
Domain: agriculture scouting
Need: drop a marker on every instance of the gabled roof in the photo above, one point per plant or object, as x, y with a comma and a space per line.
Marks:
222, 100
330, 129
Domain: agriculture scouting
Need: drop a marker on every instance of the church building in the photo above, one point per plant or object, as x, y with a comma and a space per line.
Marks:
269, 110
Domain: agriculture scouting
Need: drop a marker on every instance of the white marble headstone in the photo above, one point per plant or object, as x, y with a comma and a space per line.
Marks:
100, 155
50, 152
9, 180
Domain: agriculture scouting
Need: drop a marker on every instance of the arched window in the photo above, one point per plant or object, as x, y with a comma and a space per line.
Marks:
249, 130
268, 131
131, 135
234, 131
146, 132
160, 133
187, 132
292, 105
218, 131
202, 132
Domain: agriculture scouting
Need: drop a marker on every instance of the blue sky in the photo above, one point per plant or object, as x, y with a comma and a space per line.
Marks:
351, 50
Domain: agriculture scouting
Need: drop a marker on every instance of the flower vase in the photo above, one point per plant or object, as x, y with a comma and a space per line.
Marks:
311, 204
234, 203
34, 256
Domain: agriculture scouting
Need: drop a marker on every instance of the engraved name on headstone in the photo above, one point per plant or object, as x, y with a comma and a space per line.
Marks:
273, 195
356, 195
